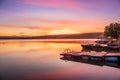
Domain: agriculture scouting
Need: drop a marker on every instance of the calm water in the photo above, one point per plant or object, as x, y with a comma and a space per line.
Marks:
39, 60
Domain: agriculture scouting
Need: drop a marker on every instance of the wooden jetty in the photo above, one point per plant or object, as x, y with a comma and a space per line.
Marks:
111, 64
93, 56
114, 57
98, 56
86, 55
70, 54
83, 61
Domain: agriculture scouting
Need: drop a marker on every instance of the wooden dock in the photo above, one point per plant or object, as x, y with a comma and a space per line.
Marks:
93, 56
90, 62
112, 57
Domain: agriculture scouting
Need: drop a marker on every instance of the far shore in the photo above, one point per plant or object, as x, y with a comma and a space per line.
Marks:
95, 35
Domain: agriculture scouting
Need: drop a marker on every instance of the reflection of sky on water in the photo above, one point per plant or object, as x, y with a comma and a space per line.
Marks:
38, 60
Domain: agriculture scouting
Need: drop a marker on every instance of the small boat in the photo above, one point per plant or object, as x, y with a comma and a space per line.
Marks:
102, 41
101, 47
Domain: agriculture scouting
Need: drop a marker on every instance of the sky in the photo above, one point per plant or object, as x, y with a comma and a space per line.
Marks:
48, 17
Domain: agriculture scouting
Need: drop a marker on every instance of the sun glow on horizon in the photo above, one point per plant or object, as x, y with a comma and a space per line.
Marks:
63, 31
51, 17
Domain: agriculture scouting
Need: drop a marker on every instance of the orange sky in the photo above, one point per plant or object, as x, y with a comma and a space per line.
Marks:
54, 27
48, 17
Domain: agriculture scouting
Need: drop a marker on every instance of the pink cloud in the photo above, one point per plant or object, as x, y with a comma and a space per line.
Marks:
40, 28
20, 15
67, 4
67, 21
61, 24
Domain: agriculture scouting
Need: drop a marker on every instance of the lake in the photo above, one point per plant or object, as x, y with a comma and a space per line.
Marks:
40, 60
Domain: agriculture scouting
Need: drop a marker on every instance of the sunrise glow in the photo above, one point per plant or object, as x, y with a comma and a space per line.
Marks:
45, 17
63, 32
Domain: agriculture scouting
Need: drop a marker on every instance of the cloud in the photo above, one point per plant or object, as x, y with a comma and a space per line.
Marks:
21, 33
72, 24
67, 4
70, 4
23, 27
30, 28
40, 28
52, 21
24, 30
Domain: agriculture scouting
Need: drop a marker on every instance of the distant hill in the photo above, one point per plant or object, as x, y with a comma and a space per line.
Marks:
79, 36
96, 35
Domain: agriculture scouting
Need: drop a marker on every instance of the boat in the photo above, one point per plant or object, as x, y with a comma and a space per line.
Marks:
108, 46
102, 41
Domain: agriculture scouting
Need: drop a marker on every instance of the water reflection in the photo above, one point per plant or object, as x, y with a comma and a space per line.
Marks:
97, 63
36, 60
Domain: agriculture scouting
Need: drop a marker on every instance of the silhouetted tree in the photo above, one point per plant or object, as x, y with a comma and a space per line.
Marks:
112, 30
